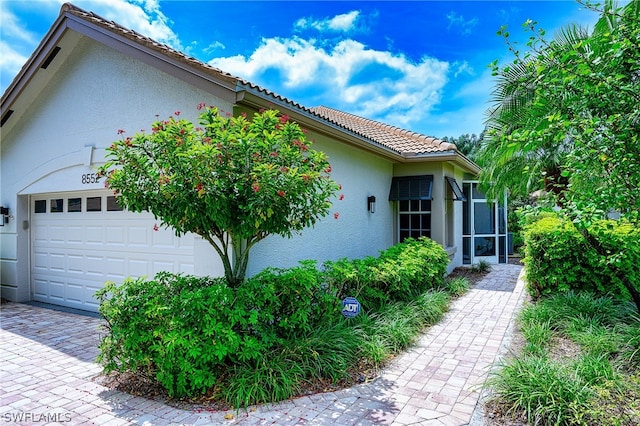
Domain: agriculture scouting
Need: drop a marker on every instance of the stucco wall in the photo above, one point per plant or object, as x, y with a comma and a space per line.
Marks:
96, 92
356, 232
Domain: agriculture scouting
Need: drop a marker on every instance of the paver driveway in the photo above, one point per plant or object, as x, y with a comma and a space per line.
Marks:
48, 374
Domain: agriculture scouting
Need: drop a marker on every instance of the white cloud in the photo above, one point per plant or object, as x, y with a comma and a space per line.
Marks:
463, 68
18, 42
143, 16
13, 29
216, 45
375, 84
465, 26
10, 62
340, 23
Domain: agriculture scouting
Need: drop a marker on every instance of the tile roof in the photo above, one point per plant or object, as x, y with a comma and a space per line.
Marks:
401, 140
397, 139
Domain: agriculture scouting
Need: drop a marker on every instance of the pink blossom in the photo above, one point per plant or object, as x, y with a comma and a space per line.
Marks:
177, 113
341, 197
255, 187
336, 215
155, 227
201, 105
120, 131
281, 193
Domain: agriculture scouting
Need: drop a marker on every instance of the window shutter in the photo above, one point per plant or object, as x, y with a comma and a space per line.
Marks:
458, 195
411, 188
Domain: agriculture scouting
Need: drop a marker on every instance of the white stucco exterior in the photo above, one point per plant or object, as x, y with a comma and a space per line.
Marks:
57, 123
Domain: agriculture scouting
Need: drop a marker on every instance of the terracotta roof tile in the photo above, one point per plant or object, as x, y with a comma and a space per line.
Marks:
401, 140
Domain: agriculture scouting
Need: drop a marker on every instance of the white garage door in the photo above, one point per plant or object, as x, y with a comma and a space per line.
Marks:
80, 240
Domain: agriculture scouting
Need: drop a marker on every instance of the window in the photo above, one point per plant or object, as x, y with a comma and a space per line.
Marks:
411, 188
57, 205
413, 194
41, 206
74, 205
415, 219
458, 195
94, 204
112, 204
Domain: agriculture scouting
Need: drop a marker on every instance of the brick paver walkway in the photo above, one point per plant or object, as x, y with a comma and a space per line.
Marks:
47, 372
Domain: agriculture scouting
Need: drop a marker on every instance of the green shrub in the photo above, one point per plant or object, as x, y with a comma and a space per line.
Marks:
178, 329
400, 273
293, 301
257, 341
559, 259
546, 391
456, 286
596, 385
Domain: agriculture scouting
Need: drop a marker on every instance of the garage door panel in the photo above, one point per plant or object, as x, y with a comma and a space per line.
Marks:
75, 253
139, 268
40, 287
75, 235
57, 290
115, 267
57, 234
94, 235
40, 233
138, 236
115, 236
40, 261
163, 239
75, 263
94, 265
75, 293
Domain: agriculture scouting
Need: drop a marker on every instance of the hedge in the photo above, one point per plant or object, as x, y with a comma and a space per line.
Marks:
186, 332
559, 259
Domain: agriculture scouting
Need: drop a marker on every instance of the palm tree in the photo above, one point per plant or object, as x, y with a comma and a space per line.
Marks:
517, 105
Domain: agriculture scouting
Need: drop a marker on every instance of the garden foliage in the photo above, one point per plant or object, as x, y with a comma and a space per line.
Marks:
559, 259
231, 180
580, 364
259, 340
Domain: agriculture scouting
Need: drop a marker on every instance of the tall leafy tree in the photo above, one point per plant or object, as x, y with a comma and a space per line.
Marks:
507, 160
467, 144
568, 115
230, 180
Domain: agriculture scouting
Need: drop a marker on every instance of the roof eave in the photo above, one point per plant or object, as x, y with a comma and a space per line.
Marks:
219, 84
453, 156
28, 70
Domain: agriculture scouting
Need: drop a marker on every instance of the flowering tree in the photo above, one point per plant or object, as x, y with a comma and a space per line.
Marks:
231, 180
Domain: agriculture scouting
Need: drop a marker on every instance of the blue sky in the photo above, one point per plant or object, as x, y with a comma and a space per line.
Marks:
419, 65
